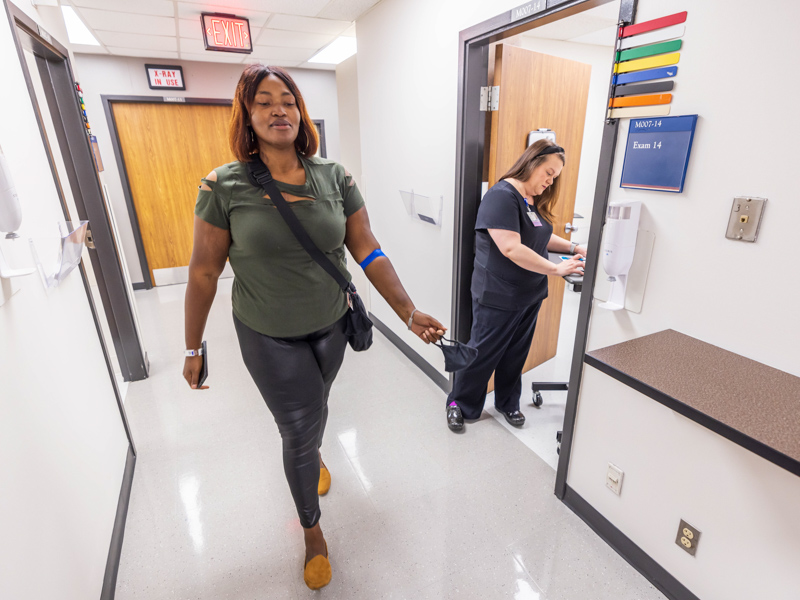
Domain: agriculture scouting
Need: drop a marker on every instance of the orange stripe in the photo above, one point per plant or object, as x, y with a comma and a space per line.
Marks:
640, 100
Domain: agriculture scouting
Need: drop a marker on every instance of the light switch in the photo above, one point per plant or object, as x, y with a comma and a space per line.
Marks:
745, 220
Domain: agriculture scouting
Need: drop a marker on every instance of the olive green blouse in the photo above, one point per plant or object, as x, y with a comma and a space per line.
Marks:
278, 289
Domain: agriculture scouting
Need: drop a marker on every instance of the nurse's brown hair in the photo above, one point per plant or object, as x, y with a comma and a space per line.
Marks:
523, 169
240, 135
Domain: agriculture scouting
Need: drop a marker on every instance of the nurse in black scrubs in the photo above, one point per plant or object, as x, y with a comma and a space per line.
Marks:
514, 231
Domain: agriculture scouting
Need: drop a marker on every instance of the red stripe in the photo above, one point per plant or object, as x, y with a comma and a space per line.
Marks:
654, 24
649, 187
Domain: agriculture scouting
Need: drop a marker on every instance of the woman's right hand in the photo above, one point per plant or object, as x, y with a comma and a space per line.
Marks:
569, 267
191, 371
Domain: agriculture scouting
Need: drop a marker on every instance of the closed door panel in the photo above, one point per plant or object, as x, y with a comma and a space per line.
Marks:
536, 91
167, 149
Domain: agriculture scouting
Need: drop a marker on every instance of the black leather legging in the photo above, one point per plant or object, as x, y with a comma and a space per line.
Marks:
294, 375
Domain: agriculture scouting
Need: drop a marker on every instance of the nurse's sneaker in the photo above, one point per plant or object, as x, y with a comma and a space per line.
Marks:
515, 418
455, 420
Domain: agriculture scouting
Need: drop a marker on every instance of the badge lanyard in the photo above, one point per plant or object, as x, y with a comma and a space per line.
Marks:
533, 216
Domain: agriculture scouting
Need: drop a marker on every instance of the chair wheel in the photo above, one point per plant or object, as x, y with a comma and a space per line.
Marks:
537, 399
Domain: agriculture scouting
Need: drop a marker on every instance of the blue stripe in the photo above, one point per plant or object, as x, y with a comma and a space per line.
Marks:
661, 73
372, 256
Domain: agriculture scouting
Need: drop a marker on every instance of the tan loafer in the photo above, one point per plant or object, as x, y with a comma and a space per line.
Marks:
317, 572
324, 481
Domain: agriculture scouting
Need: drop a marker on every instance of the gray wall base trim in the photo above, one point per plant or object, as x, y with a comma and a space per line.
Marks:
140, 285
635, 556
437, 378
115, 551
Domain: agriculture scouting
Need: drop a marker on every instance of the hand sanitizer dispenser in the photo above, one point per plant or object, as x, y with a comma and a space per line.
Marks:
10, 219
622, 227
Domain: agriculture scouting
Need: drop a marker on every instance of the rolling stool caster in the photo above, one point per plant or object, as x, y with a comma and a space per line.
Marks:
558, 439
539, 387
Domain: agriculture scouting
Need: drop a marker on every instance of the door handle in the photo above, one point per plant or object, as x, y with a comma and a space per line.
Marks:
569, 227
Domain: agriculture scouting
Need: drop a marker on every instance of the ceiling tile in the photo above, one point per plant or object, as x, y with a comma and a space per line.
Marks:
346, 10
190, 28
293, 39
195, 46
191, 11
222, 57
142, 53
308, 24
84, 49
287, 54
153, 43
127, 22
272, 63
162, 8
308, 8
317, 66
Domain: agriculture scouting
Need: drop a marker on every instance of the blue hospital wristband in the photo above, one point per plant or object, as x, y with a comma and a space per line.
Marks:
372, 256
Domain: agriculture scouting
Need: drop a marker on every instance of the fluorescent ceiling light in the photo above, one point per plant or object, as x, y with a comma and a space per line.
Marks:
340, 49
77, 32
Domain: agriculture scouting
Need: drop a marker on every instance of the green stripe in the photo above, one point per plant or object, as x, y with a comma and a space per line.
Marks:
651, 50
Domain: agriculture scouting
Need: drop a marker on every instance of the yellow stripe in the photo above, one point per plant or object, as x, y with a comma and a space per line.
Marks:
639, 111
648, 63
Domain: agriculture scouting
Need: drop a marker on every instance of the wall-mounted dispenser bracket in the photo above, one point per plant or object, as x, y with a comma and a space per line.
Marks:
71, 242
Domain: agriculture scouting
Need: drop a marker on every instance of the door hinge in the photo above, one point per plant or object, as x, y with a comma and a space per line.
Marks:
490, 98
89, 241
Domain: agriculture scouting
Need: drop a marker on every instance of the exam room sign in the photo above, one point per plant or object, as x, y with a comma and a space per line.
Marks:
165, 77
657, 153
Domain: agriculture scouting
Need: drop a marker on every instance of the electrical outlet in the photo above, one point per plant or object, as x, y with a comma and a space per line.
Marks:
688, 537
614, 478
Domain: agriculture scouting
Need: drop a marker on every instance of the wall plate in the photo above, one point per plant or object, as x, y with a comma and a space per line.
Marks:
745, 219
614, 478
688, 537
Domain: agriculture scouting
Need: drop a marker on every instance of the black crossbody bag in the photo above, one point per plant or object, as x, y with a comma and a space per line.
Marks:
358, 328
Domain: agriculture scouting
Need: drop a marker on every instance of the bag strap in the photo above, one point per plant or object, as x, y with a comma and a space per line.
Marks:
261, 177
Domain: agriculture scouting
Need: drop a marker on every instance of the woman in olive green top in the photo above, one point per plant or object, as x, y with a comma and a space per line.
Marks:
288, 312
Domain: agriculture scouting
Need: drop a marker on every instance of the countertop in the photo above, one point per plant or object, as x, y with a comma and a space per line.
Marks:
746, 401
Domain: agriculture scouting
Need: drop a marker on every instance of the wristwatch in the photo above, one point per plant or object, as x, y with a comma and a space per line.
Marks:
572, 247
198, 352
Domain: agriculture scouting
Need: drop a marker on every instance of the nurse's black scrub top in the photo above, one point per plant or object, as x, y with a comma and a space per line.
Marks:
497, 281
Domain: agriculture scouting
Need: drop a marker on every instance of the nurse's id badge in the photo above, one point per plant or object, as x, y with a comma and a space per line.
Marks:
534, 219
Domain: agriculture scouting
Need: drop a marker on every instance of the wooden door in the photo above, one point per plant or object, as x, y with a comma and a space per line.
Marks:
167, 149
537, 91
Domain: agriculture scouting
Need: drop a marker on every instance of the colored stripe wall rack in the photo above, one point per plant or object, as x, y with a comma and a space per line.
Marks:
646, 52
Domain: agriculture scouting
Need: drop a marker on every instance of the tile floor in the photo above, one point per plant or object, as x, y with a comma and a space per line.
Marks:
414, 511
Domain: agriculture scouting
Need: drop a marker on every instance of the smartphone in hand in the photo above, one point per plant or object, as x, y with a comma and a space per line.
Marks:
204, 367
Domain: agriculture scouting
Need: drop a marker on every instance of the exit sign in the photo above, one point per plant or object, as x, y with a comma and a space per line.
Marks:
165, 77
226, 33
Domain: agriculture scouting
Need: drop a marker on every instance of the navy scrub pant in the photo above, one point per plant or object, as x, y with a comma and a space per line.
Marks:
503, 339
294, 376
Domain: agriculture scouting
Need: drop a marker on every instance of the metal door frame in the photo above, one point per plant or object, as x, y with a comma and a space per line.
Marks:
473, 69
58, 81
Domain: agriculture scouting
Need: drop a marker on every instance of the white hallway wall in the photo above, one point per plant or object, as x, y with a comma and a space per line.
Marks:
731, 294
62, 443
408, 76
110, 75
350, 142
